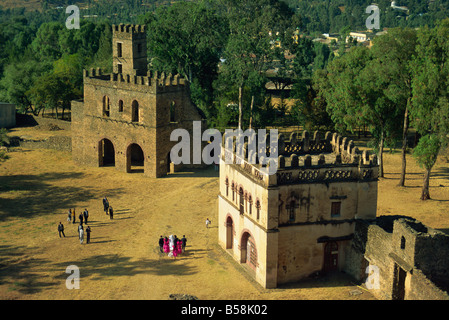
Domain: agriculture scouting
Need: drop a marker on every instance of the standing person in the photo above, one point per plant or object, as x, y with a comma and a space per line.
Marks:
81, 216
111, 213
105, 204
69, 217
208, 222
166, 245
183, 243
179, 247
61, 229
88, 234
171, 241
81, 233
73, 214
86, 215
161, 244
175, 251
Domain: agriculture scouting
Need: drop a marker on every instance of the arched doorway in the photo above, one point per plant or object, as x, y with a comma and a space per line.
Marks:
106, 153
134, 158
248, 252
229, 233
330, 257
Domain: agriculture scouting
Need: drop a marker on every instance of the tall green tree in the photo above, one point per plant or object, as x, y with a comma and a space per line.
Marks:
429, 110
355, 91
392, 56
254, 26
187, 38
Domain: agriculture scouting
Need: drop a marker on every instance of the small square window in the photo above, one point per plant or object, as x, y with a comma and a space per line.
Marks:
335, 209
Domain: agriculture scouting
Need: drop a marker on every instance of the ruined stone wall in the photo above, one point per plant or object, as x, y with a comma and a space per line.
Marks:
402, 243
378, 247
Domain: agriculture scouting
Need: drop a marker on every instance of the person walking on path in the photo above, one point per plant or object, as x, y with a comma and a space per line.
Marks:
73, 214
81, 217
208, 222
105, 204
69, 216
61, 229
81, 233
86, 215
88, 234
161, 244
183, 243
111, 213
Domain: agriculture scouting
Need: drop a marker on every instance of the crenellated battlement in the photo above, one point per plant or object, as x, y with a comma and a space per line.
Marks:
303, 160
129, 28
159, 81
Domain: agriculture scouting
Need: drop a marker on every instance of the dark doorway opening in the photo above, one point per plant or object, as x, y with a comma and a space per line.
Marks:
399, 283
135, 158
106, 153
330, 257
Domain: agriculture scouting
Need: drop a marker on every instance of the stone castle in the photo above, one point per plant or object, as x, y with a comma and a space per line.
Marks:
126, 117
317, 214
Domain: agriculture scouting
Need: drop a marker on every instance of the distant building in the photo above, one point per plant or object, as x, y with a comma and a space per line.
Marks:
361, 36
7, 115
400, 8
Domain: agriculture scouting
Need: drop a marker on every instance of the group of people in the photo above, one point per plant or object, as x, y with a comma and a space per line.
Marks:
172, 246
107, 208
83, 218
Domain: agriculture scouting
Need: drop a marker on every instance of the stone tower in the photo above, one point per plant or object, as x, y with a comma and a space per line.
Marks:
129, 49
126, 118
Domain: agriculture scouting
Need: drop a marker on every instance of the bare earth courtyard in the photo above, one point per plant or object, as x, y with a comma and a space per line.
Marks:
37, 187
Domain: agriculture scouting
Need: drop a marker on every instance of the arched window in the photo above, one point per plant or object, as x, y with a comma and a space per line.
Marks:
106, 106
233, 189
257, 209
242, 201
250, 200
227, 187
120, 106
135, 111
402, 242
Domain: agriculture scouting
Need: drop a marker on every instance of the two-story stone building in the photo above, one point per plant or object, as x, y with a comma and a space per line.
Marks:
300, 220
126, 117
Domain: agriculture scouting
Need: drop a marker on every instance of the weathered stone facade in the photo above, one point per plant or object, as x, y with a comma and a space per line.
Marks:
126, 117
300, 220
412, 260
317, 214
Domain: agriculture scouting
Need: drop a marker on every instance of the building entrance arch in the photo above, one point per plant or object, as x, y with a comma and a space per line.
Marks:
106, 153
134, 158
248, 252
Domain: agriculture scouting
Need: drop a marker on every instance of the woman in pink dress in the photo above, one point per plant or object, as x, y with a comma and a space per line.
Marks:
166, 247
175, 251
179, 247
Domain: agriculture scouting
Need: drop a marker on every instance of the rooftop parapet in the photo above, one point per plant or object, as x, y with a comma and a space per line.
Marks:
152, 79
129, 29
330, 159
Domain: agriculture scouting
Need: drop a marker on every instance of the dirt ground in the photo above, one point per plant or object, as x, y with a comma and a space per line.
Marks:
37, 187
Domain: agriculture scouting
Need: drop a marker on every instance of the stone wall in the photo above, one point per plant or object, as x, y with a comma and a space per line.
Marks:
400, 244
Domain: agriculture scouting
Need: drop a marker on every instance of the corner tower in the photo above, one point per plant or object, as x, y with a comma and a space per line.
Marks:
129, 49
